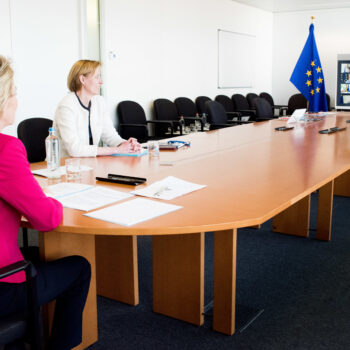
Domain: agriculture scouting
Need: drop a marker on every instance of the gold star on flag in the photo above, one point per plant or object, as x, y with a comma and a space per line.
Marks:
320, 80
312, 92
318, 89
318, 69
308, 73
308, 83
312, 63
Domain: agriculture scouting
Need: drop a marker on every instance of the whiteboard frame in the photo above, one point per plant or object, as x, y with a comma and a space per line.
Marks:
218, 81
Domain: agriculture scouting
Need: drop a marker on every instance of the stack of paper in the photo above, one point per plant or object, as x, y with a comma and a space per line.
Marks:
85, 197
133, 212
168, 188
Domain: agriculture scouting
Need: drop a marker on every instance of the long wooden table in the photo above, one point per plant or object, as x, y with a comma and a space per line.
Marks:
252, 172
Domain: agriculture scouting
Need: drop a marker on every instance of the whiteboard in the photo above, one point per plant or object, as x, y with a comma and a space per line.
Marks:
236, 53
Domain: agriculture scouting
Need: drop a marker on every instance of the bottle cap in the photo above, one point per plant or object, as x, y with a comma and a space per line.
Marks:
52, 129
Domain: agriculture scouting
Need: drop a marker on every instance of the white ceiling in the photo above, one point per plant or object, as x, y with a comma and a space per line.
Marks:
295, 5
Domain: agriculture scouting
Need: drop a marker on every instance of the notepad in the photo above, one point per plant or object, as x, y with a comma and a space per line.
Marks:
133, 212
138, 154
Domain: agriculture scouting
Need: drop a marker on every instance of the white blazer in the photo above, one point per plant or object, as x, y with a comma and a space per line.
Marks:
71, 123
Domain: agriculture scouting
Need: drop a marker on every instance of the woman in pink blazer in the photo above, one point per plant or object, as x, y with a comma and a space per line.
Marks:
67, 280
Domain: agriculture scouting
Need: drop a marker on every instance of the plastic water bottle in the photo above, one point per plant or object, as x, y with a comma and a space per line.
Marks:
52, 145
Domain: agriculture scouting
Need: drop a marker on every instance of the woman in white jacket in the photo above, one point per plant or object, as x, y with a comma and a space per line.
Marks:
81, 119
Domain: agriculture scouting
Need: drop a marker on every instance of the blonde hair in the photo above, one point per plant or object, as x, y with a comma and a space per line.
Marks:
6, 81
81, 67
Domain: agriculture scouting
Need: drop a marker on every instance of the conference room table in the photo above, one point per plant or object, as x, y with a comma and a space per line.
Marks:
252, 173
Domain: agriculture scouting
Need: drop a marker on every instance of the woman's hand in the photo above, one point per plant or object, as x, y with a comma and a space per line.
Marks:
129, 146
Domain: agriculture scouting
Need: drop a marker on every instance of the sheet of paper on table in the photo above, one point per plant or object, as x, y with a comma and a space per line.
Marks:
133, 212
168, 188
62, 169
85, 197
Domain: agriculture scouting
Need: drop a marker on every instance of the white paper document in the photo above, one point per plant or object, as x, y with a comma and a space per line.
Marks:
168, 188
62, 171
133, 212
85, 197
297, 115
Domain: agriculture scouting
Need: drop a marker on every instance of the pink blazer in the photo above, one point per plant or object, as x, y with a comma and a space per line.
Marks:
20, 194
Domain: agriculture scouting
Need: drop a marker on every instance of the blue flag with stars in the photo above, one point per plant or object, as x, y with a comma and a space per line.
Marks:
308, 75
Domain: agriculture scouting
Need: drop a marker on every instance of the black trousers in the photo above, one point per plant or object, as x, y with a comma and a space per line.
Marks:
67, 280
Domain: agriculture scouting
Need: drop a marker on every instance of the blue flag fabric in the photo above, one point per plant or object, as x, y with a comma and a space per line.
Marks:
308, 75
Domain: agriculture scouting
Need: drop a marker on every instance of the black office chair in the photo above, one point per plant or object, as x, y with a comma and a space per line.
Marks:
187, 108
241, 105
201, 104
263, 110
228, 105
280, 108
132, 121
217, 116
250, 98
15, 328
166, 111
296, 101
33, 132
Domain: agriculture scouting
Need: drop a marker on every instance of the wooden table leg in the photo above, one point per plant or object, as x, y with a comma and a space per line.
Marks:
324, 215
116, 268
295, 220
225, 254
342, 185
178, 276
54, 245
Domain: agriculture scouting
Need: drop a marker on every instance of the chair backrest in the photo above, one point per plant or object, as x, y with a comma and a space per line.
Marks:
250, 98
130, 112
240, 102
33, 132
263, 108
296, 101
185, 107
268, 98
165, 109
226, 102
216, 114
200, 103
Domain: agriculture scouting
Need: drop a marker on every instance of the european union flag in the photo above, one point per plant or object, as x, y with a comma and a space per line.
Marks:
308, 75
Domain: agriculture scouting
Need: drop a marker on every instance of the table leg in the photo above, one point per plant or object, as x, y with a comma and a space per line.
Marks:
342, 185
116, 268
225, 255
178, 276
55, 245
324, 215
295, 220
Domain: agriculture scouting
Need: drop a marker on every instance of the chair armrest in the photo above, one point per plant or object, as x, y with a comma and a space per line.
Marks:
169, 122
234, 114
13, 268
280, 106
137, 125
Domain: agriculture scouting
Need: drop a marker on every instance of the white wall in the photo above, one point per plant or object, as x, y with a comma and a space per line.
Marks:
45, 43
168, 48
290, 33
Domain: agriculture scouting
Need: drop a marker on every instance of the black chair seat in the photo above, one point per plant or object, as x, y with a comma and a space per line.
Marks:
13, 327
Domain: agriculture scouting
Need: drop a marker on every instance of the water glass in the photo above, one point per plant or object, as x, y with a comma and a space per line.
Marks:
153, 149
73, 169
